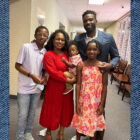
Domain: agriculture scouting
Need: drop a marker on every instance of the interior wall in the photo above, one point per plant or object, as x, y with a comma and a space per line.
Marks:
112, 29
53, 15
75, 30
19, 34
23, 22
129, 60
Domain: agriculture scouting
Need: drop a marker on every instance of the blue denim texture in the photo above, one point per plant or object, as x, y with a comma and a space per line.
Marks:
27, 104
135, 69
4, 69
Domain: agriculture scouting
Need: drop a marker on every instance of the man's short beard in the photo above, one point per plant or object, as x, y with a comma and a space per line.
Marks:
90, 30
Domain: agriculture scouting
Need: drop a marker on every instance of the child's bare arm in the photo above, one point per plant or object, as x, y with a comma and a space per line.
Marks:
103, 94
68, 63
22, 70
78, 87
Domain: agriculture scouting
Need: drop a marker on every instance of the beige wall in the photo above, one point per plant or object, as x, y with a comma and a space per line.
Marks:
23, 22
19, 33
53, 15
112, 29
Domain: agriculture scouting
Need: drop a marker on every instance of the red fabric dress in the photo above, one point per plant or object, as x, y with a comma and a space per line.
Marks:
57, 108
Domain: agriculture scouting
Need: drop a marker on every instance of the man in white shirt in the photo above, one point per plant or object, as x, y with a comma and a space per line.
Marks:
29, 64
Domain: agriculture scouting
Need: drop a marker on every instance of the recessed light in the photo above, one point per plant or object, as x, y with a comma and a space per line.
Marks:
96, 2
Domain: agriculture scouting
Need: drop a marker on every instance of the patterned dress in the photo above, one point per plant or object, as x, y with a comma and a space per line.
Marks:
88, 122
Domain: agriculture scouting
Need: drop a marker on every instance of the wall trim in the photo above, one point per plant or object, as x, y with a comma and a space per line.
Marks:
13, 96
124, 16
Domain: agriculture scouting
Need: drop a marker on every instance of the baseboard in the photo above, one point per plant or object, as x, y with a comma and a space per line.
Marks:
13, 96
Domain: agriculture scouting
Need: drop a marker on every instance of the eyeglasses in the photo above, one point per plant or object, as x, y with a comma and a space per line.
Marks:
45, 36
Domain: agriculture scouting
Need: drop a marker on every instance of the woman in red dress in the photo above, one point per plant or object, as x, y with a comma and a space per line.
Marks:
57, 109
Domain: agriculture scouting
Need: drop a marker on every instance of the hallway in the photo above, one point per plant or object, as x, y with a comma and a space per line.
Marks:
117, 117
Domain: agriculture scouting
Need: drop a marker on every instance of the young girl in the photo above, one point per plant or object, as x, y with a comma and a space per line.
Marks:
74, 59
91, 92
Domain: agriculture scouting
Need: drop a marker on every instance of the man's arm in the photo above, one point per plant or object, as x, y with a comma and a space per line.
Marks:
114, 54
113, 51
22, 70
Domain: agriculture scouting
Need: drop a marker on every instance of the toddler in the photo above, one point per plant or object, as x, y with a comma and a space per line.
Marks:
74, 59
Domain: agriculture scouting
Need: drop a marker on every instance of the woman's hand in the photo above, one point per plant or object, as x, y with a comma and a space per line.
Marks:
100, 109
71, 80
63, 59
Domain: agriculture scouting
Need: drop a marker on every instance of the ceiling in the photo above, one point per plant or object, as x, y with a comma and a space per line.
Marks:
111, 11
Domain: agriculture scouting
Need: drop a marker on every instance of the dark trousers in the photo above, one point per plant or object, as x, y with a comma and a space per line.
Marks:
100, 134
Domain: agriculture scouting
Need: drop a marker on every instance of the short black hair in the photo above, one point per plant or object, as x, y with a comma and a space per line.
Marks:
41, 27
98, 45
89, 12
50, 46
72, 42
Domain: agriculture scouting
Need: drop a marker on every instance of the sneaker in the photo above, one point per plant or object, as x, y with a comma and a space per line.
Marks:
42, 132
67, 91
73, 138
28, 136
82, 138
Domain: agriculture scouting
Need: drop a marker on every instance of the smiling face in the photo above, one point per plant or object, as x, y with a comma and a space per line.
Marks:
72, 50
41, 36
59, 41
92, 51
89, 22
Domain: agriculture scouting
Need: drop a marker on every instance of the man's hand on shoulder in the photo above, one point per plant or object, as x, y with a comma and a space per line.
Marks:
105, 66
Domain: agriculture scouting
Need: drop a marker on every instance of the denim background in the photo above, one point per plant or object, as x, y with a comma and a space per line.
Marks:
135, 69
4, 69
